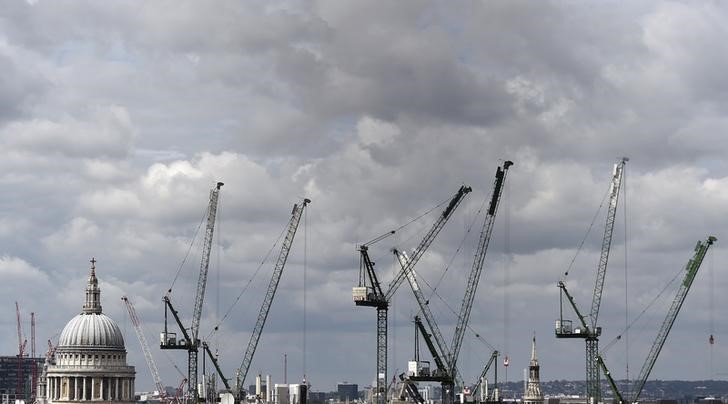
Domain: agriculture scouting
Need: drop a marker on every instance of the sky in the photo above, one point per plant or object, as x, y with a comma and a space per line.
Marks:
118, 117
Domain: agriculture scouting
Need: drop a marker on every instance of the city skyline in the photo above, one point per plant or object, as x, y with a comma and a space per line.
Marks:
117, 118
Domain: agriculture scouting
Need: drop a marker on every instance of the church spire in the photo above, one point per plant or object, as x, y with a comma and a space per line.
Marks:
93, 293
533, 394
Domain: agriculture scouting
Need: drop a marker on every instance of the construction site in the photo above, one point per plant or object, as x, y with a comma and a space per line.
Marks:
431, 375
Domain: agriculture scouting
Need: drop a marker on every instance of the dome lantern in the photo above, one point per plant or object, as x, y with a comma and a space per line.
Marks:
93, 292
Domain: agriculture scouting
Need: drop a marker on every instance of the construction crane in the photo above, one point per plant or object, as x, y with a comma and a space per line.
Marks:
137, 323
450, 355
34, 365
20, 387
369, 291
477, 269
591, 331
213, 359
191, 343
482, 383
691, 269
296, 214
49, 356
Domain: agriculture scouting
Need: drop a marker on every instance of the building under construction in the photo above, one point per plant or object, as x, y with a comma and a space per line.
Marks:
9, 377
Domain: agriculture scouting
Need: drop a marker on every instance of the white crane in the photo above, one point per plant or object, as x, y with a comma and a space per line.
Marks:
137, 322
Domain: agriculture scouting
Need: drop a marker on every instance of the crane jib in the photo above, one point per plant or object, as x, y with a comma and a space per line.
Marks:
462, 191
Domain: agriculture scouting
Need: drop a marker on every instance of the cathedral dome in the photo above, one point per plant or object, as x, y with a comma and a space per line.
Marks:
91, 330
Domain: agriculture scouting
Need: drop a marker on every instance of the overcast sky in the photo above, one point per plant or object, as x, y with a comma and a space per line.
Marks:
117, 117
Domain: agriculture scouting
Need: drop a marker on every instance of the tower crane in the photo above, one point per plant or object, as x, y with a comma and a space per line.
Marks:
270, 293
369, 291
137, 323
591, 331
191, 343
691, 269
450, 355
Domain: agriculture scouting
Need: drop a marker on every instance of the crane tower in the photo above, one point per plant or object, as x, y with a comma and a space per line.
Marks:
191, 343
590, 331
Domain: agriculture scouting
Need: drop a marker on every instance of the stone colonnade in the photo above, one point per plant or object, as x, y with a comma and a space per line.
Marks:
90, 388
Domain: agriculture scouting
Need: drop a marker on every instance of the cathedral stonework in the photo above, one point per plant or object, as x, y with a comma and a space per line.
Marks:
533, 394
90, 361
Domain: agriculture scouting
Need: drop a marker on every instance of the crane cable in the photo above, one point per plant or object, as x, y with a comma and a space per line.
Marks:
711, 297
247, 285
632, 323
417, 218
305, 265
626, 281
506, 283
189, 249
433, 290
581, 244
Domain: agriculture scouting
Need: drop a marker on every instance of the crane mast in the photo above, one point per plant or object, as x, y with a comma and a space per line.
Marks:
372, 295
477, 269
137, 323
191, 343
270, 293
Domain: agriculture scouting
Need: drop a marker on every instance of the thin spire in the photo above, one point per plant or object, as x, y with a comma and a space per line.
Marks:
93, 292
533, 349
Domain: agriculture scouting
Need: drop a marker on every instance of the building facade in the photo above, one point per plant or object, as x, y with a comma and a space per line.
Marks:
90, 361
347, 391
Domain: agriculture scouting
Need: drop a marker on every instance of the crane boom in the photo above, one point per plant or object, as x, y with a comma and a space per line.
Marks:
607, 239
272, 286
215, 363
20, 388
691, 269
34, 368
136, 321
441, 352
493, 357
477, 269
429, 238
205, 261
442, 366
610, 379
